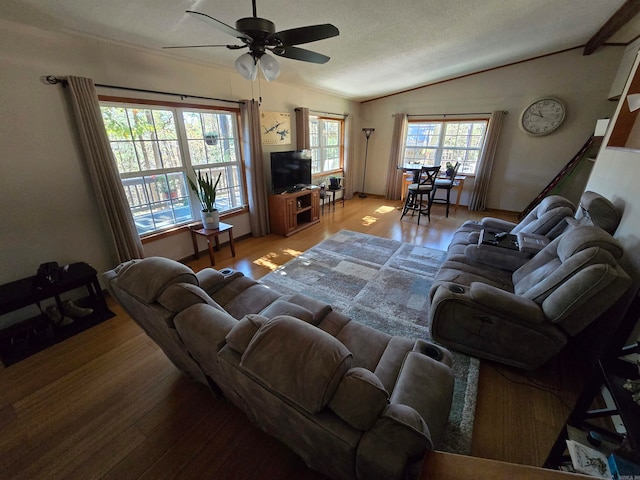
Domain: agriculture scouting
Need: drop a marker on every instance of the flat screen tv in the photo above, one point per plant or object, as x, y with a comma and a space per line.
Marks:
290, 171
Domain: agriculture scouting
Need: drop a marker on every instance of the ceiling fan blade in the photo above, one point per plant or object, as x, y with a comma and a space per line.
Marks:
223, 27
312, 33
296, 53
230, 47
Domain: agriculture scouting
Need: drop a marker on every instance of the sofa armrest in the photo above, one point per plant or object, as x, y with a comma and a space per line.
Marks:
396, 442
203, 330
497, 225
211, 280
505, 303
426, 385
495, 256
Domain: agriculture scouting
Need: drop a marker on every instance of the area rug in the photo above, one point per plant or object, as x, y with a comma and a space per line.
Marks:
383, 283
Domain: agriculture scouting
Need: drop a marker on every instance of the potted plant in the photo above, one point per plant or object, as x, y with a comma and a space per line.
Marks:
449, 171
206, 191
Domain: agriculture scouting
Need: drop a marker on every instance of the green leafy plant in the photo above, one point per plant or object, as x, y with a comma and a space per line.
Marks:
206, 190
449, 165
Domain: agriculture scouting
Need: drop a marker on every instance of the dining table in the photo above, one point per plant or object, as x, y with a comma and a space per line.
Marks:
416, 170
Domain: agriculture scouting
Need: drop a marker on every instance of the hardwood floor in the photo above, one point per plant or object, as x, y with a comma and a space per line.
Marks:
108, 404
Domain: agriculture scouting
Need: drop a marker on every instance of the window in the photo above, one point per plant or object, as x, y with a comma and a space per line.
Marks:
156, 147
326, 138
435, 143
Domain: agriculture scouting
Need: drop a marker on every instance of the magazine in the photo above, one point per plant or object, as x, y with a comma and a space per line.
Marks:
589, 461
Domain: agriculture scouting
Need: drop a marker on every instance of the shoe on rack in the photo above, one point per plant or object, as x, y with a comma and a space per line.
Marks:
56, 318
74, 310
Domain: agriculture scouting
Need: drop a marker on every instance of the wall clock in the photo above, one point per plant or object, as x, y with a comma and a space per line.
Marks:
543, 116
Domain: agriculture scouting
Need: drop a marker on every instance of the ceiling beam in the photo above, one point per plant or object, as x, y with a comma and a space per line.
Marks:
626, 12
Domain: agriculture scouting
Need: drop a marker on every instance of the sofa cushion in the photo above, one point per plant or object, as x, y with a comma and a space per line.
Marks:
318, 308
253, 299
281, 307
359, 399
540, 283
179, 296
582, 237
547, 222
147, 278
209, 279
297, 361
586, 286
241, 334
600, 211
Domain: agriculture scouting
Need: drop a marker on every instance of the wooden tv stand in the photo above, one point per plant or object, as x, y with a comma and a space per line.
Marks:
291, 212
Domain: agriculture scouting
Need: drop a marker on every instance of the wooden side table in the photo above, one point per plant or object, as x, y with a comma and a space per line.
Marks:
209, 234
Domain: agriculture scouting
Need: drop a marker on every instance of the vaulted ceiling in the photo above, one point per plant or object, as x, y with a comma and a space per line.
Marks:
383, 47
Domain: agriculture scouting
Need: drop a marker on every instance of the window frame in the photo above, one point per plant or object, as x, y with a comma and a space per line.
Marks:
441, 147
321, 119
188, 167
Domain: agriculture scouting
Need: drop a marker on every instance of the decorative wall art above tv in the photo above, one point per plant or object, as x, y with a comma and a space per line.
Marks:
276, 128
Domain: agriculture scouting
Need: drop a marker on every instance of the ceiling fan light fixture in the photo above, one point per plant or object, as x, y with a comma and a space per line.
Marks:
269, 66
247, 66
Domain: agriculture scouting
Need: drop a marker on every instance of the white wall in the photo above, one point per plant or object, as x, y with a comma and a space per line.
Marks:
524, 165
49, 211
616, 175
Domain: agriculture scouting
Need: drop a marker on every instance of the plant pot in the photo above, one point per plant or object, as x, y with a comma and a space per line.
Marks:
210, 220
449, 172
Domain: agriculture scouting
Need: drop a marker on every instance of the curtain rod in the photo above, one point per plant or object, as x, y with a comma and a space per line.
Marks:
451, 114
53, 80
345, 115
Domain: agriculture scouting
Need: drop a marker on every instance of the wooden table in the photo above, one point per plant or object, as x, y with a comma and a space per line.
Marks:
449, 466
416, 170
209, 234
458, 184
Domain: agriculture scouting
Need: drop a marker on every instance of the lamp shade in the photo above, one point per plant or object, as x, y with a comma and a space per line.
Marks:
269, 67
246, 66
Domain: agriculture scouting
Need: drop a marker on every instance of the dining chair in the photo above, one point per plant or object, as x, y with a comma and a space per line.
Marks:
447, 184
415, 201
325, 197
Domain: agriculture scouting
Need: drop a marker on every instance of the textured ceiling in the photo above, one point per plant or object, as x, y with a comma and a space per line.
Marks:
383, 46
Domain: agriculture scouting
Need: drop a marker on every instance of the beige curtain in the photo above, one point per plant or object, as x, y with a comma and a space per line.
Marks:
348, 155
302, 128
393, 190
254, 168
477, 202
103, 172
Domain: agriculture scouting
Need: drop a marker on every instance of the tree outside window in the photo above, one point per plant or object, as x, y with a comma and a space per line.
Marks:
327, 145
156, 147
438, 142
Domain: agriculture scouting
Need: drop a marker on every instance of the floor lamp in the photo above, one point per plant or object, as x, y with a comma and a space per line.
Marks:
367, 133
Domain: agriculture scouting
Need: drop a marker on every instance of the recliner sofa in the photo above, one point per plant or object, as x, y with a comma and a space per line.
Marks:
353, 402
524, 318
548, 218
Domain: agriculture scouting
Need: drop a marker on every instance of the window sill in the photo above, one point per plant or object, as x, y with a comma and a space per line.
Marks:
152, 237
325, 175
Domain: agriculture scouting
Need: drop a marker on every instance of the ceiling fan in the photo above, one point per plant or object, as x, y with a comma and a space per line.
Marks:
259, 36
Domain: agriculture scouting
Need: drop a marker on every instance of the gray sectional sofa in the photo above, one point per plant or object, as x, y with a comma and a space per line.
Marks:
353, 402
522, 308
